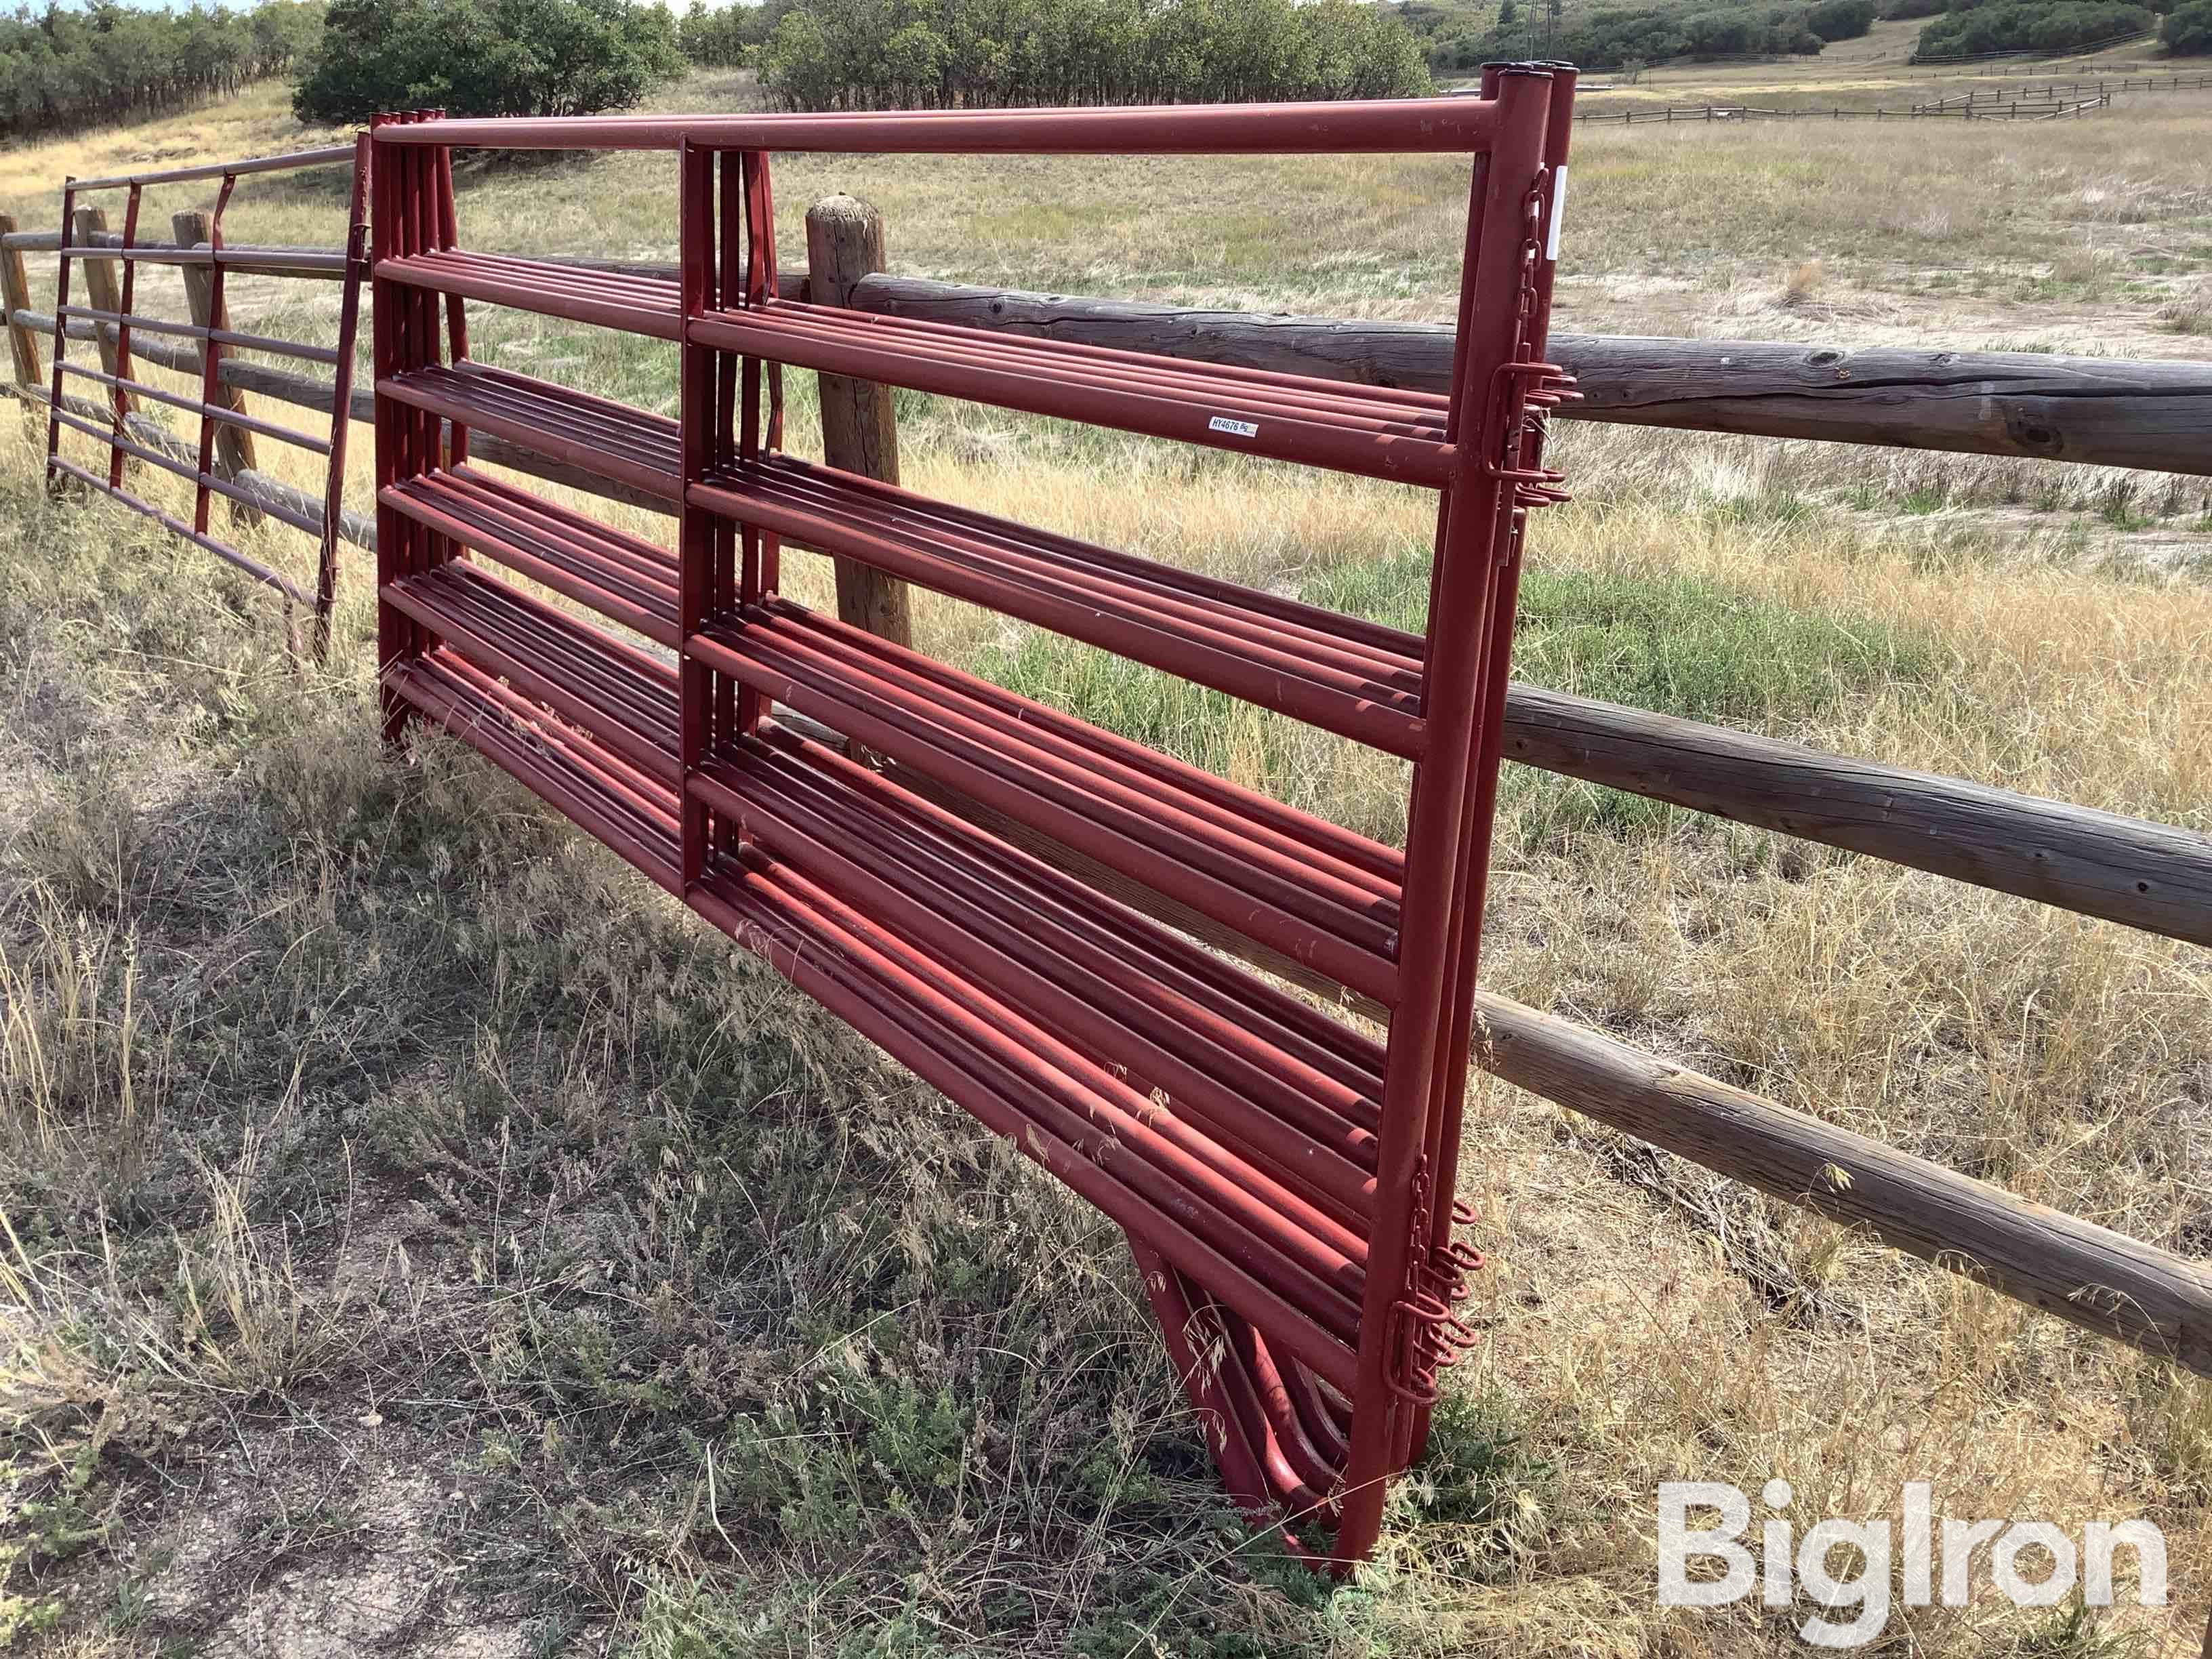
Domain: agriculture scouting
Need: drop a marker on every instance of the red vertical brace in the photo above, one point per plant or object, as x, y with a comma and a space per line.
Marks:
1471, 542
699, 545
211, 359
1498, 676
457, 320
356, 247
120, 398
61, 328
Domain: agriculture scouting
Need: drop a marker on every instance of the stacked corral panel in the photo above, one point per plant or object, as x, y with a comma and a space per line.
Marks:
1285, 1180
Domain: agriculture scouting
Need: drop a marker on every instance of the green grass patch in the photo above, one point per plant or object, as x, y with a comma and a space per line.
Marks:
1676, 645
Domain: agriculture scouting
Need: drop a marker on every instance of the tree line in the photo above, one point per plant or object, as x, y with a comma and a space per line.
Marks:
62, 69
1965, 28
1458, 37
953, 54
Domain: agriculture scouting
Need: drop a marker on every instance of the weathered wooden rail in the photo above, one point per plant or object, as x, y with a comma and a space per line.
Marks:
2154, 877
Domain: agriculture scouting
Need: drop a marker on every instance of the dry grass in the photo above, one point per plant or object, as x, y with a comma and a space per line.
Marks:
424, 1238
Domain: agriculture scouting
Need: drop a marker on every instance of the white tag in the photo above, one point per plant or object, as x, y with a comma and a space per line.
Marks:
1558, 211
1240, 428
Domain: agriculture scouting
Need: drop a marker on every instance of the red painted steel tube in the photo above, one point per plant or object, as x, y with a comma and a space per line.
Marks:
923, 1031
555, 555
1469, 550
587, 682
228, 416
122, 404
542, 762
1465, 945
176, 527
617, 787
303, 158
1236, 878
221, 487
1345, 862
699, 540
1319, 1058
550, 418
61, 331
1249, 1219
1233, 1455
1130, 964
1410, 126
211, 352
1058, 981
1390, 406
974, 767
334, 482
1104, 612
312, 354
1336, 443
1306, 633
577, 301
463, 403
1301, 1479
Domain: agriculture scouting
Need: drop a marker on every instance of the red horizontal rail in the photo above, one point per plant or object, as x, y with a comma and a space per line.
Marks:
193, 405
176, 527
301, 158
229, 337
107, 435
1413, 125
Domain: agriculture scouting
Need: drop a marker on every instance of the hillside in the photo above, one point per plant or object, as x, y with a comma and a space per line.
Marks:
423, 1239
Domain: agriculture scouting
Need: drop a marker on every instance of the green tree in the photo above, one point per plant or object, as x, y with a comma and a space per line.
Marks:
2188, 30
486, 58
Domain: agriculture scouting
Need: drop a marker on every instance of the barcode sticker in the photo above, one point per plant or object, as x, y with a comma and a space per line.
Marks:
1240, 429
1558, 211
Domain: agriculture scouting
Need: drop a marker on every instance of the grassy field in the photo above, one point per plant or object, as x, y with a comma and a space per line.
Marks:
423, 1239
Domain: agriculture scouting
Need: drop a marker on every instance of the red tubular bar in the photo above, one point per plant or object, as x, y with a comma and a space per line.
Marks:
1284, 1181
122, 404
1319, 920
176, 527
1033, 376
1406, 126
306, 440
1475, 522
122, 383
329, 156
1448, 1110
1060, 584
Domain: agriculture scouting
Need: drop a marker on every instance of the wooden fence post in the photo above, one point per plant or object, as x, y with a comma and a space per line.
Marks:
234, 445
103, 289
22, 344
860, 432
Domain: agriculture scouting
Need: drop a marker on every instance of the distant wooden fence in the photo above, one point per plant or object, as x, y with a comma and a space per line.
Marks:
2056, 91
2017, 109
2145, 875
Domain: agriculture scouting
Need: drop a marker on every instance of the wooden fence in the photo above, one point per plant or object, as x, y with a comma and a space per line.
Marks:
2145, 875
2019, 109
2057, 90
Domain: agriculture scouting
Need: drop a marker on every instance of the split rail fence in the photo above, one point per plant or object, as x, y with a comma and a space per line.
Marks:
2019, 109
2145, 875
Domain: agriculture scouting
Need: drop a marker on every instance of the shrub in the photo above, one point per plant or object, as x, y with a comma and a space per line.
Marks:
2188, 30
486, 58
1840, 19
951, 54
2012, 25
